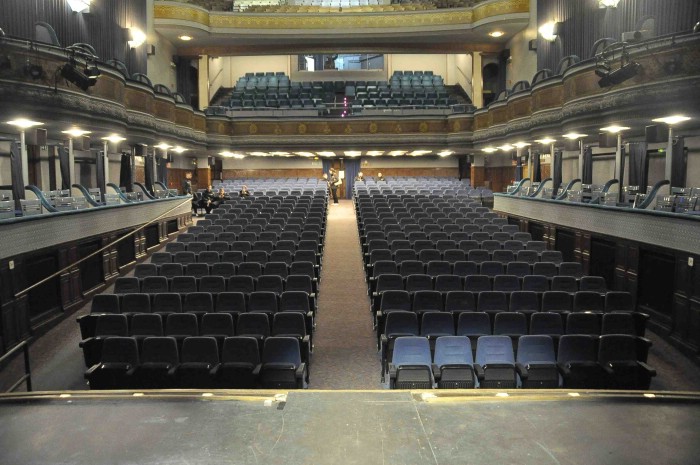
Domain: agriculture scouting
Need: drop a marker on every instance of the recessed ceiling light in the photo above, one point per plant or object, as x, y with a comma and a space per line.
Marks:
163, 146
497, 34
280, 154
546, 140
114, 138
353, 153
185, 38
305, 154
417, 153
397, 153
325, 154
489, 149
23, 123
179, 149
375, 153
258, 154
574, 135
520, 145
614, 129
445, 153
75, 132
671, 120
505, 147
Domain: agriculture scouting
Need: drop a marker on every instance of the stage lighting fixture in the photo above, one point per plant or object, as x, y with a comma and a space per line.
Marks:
33, 71
620, 75
92, 72
71, 73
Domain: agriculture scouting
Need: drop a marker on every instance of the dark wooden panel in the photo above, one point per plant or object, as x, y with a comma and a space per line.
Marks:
92, 269
126, 252
566, 243
603, 260
45, 298
152, 236
584, 23
656, 284
536, 231
103, 28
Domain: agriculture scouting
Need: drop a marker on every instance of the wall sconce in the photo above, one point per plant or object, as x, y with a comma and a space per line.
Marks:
549, 31
138, 37
608, 3
79, 6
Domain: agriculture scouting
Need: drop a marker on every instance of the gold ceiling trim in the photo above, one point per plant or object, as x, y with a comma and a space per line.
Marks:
214, 19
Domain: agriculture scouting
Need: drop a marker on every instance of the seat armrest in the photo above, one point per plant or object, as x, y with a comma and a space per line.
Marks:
651, 371
256, 370
91, 370
214, 370
564, 369
301, 375
437, 373
522, 370
480, 373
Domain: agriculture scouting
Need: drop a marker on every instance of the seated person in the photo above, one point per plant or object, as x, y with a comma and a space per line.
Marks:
360, 177
244, 191
380, 177
196, 203
220, 197
207, 202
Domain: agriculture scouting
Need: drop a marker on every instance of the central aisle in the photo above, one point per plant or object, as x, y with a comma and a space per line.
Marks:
345, 354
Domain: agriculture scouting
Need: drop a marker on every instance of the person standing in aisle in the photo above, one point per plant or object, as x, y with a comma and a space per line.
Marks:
334, 182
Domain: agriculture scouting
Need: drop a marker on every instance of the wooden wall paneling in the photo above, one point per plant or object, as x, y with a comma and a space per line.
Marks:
583, 249
681, 315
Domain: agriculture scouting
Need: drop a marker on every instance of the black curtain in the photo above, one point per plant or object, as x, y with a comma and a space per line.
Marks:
100, 167
162, 166
352, 167
464, 167
148, 170
64, 163
17, 174
556, 170
126, 173
536, 168
639, 165
52, 167
680, 162
587, 176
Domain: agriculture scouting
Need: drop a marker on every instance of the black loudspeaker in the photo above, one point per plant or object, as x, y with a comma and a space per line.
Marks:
571, 144
656, 133
36, 136
607, 140
140, 150
505, 54
532, 45
85, 142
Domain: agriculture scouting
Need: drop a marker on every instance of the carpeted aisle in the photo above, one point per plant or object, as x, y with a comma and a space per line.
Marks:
345, 354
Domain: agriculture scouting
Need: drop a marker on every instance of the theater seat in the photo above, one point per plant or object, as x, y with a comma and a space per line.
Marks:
282, 367
411, 364
200, 361
159, 360
240, 363
117, 364
495, 363
453, 363
535, 363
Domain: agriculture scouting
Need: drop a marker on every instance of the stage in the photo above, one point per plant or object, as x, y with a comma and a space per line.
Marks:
350, 427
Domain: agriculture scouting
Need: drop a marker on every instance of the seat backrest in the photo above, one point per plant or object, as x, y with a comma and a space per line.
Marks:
105, 303
401, 322
217, 324
120, 350
411, 350
510, 323
535, 349
453, 350
582, 323
577, 348
536, 283
617, 347
201, 349
241, 349
111, 325
492, 301
494, 349
618, 323
549, 323
159, 350
252, 324
282, 349
181, 324
473, 324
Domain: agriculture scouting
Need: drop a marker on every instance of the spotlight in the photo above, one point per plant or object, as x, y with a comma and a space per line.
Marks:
620, 75
92, 72
71, 73
33, 71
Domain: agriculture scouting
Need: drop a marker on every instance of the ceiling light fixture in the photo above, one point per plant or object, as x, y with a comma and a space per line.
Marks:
353, 153
497, 34
75, 132
397, 153
305, 154
258, 154
445, 153
546, 140
505, 147
138, 37
114, 138
79, 6
186, 38
417, 153
24, 123
520, 145
574, 135
163, 146
671, 120
179, 149
608, 3
614, 129
325, 154
489, 149
549, 31
375, 153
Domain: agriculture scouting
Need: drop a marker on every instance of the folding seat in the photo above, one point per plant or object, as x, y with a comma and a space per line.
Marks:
312, 256
387, 282
282, 256
217, 325
418, 282
556, 301
459, 301
232, 303
127, 285
213, 229
212, 284
184, 237
536, 364
184, 257
501, 237
256, 256
513, 246
527, 256
194, 247
438, 267
270, 283
492, 302
206, 238
477, 283
304, 268
430, 227
564, 284
181, 326
583, 323
145, 325
264, 246
510, 229
506, 283
403, 255
106, 325
241, 246
479, 256
173, 247
165, 303
101, 304
519, 269
436, 324
551, 256
468, 246
253, 269
495, 364
398, 324
490, 245
589, 301
208, 257
154, 284
198, 303
472, 229
491, 269
447, 282
409, 267
465, 268
428, 255
571, 269
445, 244
538, 246
593, 283
473, 325
427, 301
227, 238
618, 356
480, 237
267, 236
452, 228
200, 361
183, 284
437, 236
523, 237
293, 324
159, 360
135, 303
511, 324
263, 302
503, 256
197, 270
240, 363
577, 361
282, 367
225, 270
411, 364
143, 270
547, 269
460, 236
255, 325
491, 228
454, 255
233, 256
116, 365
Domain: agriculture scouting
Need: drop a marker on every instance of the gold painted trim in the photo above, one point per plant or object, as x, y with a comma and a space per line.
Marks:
215, 19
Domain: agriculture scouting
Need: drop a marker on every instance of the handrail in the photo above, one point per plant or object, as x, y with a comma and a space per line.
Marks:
540, 188
568, 187
519, 186
27, 377
608, 185
87, 195
111, 244
119, 192
651, 196
145, 190
40, 195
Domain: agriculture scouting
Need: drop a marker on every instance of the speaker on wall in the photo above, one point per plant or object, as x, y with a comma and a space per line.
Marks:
656, 133
85, 142
607, 140
36, 136
140, 150
571, 145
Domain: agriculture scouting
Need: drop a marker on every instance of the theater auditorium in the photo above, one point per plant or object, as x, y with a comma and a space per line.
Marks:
349, 231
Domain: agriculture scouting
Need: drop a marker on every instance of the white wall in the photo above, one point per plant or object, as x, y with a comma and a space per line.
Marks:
236, 66
463, 72
159, 68
264, 163
523, 63
410, 162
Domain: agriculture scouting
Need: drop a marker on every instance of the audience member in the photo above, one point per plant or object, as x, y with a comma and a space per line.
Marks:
244, 191
380, 177
360, 177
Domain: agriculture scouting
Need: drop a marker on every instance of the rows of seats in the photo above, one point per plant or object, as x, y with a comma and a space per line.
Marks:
581, 361
198, 363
